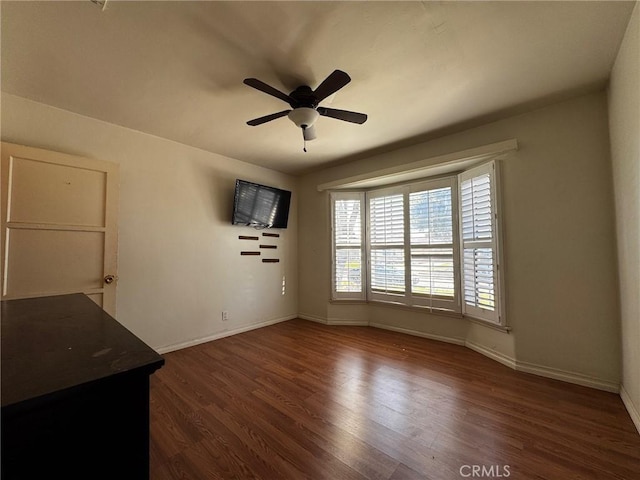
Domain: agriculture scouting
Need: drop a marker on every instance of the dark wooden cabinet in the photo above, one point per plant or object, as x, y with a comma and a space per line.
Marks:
75, 392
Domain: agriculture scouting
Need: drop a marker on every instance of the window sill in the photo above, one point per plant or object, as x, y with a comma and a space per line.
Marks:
347, 301
409, 308
484, 323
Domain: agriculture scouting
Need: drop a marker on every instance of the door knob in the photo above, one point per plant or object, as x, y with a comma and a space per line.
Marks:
109, 279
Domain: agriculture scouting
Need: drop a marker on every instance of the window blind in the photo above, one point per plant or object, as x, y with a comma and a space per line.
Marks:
412, 246
386, 242
431, 231
347, 245
479, 252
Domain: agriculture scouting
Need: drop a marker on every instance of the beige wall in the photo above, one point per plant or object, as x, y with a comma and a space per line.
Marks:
624, 122
179, 256
559, 244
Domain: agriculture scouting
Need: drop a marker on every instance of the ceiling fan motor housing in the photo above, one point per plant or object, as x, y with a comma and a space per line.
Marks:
303, 97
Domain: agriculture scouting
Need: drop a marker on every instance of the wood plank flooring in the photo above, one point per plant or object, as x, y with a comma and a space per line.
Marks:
300, 400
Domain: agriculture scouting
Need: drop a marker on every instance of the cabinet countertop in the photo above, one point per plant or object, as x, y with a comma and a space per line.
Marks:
53, 344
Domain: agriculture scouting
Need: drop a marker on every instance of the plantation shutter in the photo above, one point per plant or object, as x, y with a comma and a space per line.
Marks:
347, 236
479, 238
412, 247
432, 243
386, 244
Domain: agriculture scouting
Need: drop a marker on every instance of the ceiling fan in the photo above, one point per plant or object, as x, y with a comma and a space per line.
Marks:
304, 103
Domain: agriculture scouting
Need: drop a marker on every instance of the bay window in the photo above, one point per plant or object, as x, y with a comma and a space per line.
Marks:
432, 244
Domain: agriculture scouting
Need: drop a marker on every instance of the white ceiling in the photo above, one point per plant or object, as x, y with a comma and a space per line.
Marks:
175, 69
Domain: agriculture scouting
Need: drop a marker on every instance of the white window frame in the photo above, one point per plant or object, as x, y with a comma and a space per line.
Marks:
495, 316
355, 296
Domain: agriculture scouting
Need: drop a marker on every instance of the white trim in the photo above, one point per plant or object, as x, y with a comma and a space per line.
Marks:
548, 372
631, 408
492, 354
441, 164
484, 323
226, 333
313, 318
334, 321
566, 376
415, 333
499, 243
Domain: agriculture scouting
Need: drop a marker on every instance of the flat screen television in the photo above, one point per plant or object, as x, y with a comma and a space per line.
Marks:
260, 206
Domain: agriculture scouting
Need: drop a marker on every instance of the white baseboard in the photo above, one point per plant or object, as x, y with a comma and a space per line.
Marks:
440, 338
333, 321
542, 371
346, 322
492, 354
510, 362
566, 376
631, 408
313, 318
216, 336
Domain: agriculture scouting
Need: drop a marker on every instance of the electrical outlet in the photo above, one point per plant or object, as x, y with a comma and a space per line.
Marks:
225, 315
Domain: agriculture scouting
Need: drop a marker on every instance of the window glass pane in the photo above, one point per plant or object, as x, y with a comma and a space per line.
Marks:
347, 223
386, 220
348, 270
431, 222
432, 272
387, 270
479, 288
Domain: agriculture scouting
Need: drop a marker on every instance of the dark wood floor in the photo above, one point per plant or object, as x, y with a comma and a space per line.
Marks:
302, 400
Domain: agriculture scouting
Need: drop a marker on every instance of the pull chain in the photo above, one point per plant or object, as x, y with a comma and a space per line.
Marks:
304, 142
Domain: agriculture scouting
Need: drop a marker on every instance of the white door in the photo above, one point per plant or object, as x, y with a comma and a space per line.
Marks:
59, 225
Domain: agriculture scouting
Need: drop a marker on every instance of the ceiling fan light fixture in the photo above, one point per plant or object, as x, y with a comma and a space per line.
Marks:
303, 117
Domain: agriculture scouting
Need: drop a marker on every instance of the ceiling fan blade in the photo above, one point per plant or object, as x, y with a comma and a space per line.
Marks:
309, 133
268, 89
353, 117
267, 118
331, 84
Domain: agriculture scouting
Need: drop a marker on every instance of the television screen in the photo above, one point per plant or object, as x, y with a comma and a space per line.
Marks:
260, 206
